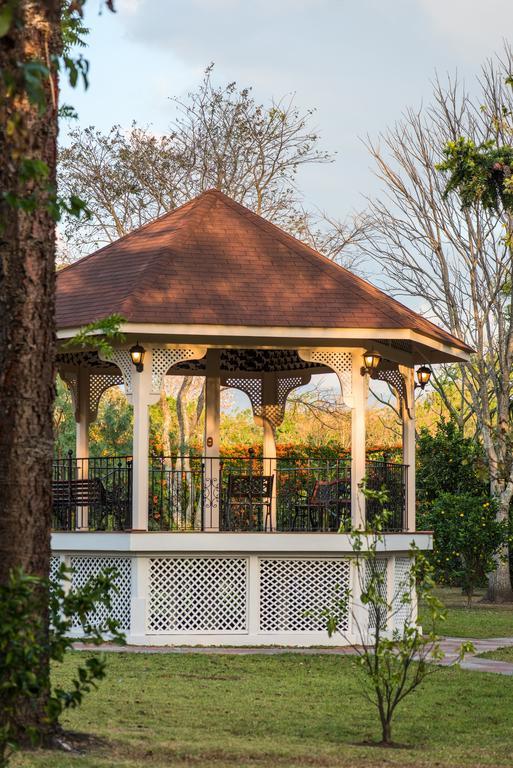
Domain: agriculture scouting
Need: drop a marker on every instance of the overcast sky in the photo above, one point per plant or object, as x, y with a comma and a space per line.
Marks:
358, 62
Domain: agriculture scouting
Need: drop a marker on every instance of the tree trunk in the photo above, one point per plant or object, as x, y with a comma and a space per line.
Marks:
499, 582
27, 250
166, 426
386, 732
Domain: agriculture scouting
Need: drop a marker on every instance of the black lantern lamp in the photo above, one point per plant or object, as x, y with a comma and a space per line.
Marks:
137, 355
371, 360
423, 376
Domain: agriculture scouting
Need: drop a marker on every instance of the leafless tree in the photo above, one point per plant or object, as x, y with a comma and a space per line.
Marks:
455, 262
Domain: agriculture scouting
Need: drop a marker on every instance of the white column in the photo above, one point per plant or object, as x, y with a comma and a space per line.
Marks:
141, 389
358, 468
82, 439
409, 446
269, 453
139, 593
270, 399
211, 505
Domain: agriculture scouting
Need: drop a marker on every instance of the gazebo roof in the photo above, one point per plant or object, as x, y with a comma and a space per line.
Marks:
213, 262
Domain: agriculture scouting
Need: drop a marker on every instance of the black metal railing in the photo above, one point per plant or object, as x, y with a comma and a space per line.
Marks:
392, 479
245, 493
93, 493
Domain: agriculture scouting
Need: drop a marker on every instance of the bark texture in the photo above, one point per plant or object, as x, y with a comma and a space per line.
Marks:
27, 254
27, 248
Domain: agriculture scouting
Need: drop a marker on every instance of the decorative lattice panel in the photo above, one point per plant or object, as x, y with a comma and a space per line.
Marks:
342, 364
86, 566
395, 378
402, 611
198, 594
86, 358
286, 385
121, 357
71, 380
273, 412
55, 564
261, 360
378, 569
98, 384
294, 591
164, 359
251, 387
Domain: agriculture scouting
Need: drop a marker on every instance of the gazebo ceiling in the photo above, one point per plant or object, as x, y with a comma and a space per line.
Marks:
214, 264
230, 361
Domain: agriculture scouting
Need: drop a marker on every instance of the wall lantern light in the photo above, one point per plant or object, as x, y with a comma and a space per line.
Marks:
371, 360
137, 355
423, 376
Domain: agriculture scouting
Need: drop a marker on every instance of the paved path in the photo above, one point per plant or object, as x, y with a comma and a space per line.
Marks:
449, 645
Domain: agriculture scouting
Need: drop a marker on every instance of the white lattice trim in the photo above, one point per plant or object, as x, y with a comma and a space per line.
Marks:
402, 603
295, 591
98, 384
378, 568
84, 567
55, 564
273, 412
198, 594
341, 362
395, 378
163, 359
70, 378
121, 358
252, 386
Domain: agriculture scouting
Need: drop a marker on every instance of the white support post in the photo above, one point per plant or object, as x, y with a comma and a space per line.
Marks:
253, 595
141, 393
212, 441
358, 468
408, 416
269, 453
139, 592
270, 400
82, 440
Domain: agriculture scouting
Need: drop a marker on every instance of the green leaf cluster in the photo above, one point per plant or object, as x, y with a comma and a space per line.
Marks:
467, 538
25, 641
480, 174
447, 461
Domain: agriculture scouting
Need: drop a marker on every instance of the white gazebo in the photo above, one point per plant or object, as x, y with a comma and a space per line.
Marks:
211, 549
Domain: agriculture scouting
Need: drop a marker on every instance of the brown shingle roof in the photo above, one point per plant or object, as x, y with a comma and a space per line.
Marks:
214, 262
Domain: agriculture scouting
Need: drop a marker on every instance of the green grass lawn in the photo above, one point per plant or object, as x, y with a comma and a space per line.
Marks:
283, 711
480, 621
502, 654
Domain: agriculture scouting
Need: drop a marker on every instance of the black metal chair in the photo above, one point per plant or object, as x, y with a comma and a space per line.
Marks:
328, 506
248, 503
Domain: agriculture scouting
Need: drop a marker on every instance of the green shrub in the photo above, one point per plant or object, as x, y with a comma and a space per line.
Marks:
467, 538
448, 462
27, 646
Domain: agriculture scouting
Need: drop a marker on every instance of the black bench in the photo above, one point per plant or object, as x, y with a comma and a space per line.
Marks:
71, 495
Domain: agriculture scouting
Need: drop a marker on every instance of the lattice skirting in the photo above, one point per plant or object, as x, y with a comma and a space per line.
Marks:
241, 599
